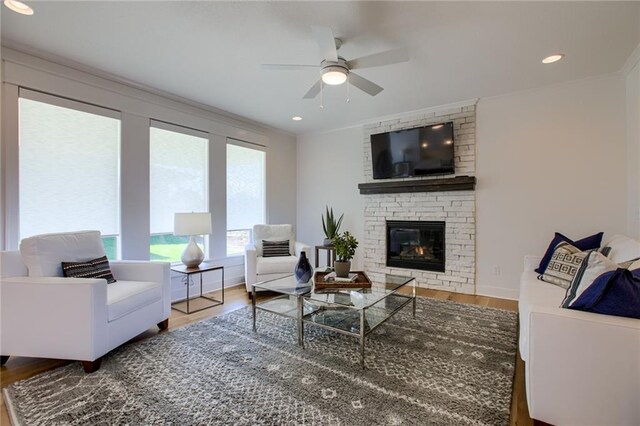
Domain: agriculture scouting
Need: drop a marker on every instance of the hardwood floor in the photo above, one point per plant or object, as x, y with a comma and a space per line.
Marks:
18, 368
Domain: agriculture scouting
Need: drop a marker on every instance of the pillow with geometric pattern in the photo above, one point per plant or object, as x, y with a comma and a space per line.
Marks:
594, 265
565, 264
96, 268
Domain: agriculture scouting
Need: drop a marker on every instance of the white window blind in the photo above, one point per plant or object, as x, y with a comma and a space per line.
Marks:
245, 193
178, 176
69, 166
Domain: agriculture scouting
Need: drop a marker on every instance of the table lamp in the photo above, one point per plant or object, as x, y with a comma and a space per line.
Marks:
192, 225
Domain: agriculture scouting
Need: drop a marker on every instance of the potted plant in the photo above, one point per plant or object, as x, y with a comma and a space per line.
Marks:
330, 226
345, 246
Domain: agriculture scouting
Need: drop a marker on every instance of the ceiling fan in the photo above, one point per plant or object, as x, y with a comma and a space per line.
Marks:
335, 70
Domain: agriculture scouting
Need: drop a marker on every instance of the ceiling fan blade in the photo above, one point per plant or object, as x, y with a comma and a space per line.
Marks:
278, 67
326, 43
365, 85
389, 57
313, 92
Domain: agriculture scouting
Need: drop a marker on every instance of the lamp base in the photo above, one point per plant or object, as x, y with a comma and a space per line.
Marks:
192, 255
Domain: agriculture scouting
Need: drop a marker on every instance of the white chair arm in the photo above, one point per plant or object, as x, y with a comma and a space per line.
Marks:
586, 360
250, 266
141, 270
301, 247
531, 262
76, 308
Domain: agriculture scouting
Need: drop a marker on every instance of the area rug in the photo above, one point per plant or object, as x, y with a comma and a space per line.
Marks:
452, 364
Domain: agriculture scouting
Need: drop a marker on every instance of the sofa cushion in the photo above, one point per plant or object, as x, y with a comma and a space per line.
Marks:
534, 293
275, 248
44, 254
564, 264
276, 265
587, 243
613, 293
623, 248
272, 233
95, 268
124, 297
594, 265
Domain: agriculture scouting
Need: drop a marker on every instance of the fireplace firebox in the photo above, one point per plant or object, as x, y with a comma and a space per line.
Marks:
416, 245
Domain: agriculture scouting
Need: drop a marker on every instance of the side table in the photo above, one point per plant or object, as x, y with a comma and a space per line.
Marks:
204, 267
331, 255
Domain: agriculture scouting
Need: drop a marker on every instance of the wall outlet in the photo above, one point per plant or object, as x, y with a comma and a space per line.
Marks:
497, 270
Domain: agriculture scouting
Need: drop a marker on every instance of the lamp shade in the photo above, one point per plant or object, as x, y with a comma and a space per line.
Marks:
192, 224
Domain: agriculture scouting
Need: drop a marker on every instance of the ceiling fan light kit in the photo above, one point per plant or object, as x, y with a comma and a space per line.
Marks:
335, 70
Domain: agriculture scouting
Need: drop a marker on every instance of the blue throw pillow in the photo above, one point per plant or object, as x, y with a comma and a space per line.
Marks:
612, 293
588, 243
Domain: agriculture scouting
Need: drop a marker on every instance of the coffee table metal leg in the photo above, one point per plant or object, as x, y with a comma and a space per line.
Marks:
253, 307
300, 322
414, 298
362, 337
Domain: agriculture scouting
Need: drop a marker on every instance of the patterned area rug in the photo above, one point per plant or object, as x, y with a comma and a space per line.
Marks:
452, 364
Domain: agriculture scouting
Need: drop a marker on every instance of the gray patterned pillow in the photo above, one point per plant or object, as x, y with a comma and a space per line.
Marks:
275, 248
564, 264
95, 268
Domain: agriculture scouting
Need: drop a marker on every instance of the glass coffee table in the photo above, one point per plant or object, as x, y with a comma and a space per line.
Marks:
355, 312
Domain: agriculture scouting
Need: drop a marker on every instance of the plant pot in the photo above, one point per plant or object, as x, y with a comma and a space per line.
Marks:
342, 268
328, 242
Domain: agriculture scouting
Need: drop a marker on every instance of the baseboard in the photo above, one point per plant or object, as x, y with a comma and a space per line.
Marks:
500, 292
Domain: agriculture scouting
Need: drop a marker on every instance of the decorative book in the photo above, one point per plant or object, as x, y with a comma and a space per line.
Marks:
328, 281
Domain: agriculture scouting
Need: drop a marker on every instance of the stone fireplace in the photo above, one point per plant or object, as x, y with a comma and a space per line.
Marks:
454, 206
416, 245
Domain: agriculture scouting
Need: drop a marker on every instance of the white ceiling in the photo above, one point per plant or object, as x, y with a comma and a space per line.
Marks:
211, 52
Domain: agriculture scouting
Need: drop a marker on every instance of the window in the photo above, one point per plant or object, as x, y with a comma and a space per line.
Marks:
178, 183
245, 193
69, 168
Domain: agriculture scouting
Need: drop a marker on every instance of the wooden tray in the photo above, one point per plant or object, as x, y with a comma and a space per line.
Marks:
362, 281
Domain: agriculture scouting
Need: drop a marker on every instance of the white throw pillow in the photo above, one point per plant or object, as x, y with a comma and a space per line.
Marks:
43, 254
623, 248
272, 233
594, 265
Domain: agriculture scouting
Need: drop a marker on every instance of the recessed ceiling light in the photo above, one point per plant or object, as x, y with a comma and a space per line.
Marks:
437, 126
424, 144
18, 6
296, 118
553, 58
448, 142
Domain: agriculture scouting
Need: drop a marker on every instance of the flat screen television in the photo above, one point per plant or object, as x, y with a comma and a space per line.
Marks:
421, 151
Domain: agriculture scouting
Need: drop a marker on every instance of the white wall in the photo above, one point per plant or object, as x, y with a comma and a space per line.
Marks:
550, 159
633, 147
329, 171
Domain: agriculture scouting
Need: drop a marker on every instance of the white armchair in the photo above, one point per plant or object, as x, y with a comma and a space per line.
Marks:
50, 316
258, 268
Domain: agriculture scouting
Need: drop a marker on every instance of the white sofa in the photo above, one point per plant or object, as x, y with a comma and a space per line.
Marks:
45, 315
258, 268
581, 368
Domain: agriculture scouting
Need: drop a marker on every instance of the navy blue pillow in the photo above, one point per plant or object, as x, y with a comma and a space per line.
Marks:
588, 243
612, 293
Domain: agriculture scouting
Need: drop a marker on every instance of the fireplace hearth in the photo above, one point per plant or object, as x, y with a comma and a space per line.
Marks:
416, 245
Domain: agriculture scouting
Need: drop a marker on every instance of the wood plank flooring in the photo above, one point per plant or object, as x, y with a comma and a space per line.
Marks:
18, 368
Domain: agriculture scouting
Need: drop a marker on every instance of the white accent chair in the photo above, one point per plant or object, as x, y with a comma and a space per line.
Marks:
258, 268
46, 315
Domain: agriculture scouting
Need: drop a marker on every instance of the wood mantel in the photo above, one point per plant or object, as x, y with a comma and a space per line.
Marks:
457, 183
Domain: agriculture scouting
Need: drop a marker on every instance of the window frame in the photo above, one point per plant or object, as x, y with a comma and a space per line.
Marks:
63, 102
257, 147
189, 131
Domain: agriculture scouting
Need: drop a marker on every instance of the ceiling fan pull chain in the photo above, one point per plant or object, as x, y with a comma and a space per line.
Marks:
321, 95
348, 97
